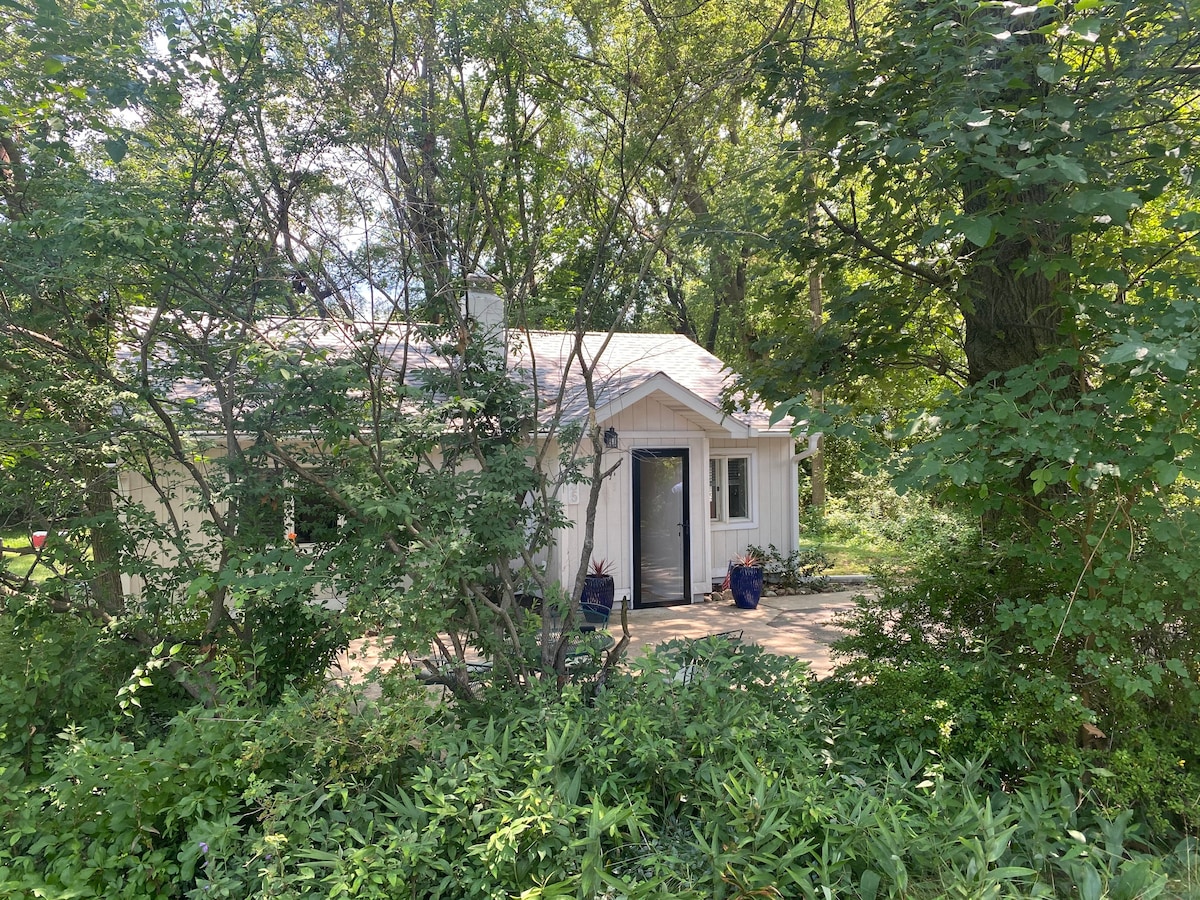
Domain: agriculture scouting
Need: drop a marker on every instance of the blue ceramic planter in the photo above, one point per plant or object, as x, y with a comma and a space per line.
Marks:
746, 582
596, 602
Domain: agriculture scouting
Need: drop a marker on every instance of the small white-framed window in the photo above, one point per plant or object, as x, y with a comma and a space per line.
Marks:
278, 509
262, 509
314, 517
729, 488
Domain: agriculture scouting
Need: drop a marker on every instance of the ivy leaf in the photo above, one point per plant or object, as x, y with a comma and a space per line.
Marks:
1088, 29
978, 230
1115, 203
116, 148
1060, 106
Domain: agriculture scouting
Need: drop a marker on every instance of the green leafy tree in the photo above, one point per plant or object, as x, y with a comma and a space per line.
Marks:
1006, 196
324, 167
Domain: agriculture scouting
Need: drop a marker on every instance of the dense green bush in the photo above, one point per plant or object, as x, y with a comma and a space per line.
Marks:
112, 818
870, 513
799, 568
286, 639
737, 781
62, 669
1154, 771
55, 670
936, 662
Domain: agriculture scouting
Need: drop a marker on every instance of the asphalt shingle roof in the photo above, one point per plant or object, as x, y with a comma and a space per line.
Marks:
624, 363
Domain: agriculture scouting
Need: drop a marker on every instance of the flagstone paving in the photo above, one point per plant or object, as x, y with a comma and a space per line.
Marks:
800, 625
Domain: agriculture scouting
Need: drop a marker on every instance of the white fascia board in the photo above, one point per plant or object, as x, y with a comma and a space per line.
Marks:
663, 384
780, 429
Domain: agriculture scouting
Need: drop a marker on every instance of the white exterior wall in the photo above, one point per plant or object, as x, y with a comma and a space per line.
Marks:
652, 425
774, 502
179, 506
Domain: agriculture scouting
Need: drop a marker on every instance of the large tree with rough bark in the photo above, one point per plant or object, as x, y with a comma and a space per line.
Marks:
1004, 196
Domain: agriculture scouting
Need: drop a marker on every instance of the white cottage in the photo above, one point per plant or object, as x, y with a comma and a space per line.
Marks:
695, 484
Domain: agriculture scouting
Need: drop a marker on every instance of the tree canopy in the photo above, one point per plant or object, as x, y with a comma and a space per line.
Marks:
1002, 195
968, 224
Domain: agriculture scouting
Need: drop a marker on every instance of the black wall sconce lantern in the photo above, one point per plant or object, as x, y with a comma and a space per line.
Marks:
610, 439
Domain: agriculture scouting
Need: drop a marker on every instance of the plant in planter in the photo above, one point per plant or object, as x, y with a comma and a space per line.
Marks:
798, 570
746, 580
596, 603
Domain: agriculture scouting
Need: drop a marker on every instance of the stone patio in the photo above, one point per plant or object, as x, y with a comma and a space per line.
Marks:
799, 625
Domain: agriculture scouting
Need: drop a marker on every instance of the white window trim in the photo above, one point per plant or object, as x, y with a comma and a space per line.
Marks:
291, 484
750, 454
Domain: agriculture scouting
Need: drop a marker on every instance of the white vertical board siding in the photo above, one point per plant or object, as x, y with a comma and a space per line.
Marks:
614, 531
648, 425
609, 543
651, 416
613, 536
773, 498
651, 425
182, 502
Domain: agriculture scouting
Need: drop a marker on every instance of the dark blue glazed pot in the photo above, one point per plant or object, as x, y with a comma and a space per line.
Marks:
746, 582
596, 602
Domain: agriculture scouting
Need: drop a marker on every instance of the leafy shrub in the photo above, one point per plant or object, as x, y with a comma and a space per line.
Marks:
870, 513
943, 602
800, 568
1152, 770
739, 781
55, 670
286, 636
933, 662
734, 784
179, 816
962, 705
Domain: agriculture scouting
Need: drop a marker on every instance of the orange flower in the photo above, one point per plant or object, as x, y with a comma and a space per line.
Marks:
292, 536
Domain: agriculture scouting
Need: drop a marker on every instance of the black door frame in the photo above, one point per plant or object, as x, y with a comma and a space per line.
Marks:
638, 455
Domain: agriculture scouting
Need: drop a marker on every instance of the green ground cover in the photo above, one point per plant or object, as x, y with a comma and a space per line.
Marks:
854, 554
745, 780
870, 528
926, 767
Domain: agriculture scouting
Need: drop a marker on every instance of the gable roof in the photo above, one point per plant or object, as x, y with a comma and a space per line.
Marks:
628, 367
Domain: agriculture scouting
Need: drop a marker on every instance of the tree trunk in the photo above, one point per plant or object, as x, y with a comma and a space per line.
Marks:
105, 541
817, 477
1011, 316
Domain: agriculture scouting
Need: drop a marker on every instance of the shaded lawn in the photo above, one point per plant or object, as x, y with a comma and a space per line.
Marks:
852, 555
18, 565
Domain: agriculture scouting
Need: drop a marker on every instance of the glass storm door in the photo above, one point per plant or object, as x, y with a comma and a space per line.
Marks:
661, 529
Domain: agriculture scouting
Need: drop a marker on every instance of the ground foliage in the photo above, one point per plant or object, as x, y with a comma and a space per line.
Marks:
746, 779
1060, 179
931, 665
